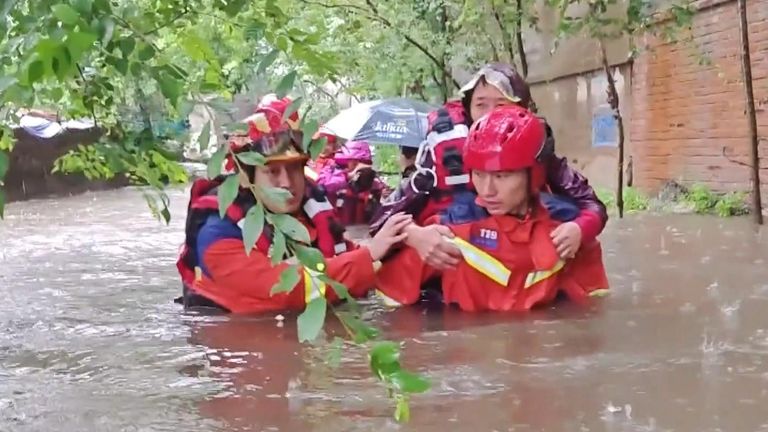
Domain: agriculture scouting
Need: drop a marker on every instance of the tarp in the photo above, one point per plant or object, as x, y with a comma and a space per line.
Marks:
44, 128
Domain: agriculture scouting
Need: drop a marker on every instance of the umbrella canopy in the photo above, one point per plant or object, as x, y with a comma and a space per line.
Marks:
397, 121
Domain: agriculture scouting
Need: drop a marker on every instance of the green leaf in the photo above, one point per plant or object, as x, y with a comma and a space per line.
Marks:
2, 203
289, 277
292, 108
286, 84
135, 69
146, 53
103, 5
36, 71
56, 94
317, 146
361, 332
4, 163
6, 139
6, 82
80, 42
253, 226
255, 31
291, 227
152, 204
267, 61
234, 7
197, 48
402, 410
340, 288
308, 131
252, 158
176, 72
227, 193
65, 13
310, 257
170, 88
216, 161
122, 66
61, 63
278, 248
204, 137
127, 46
408, 382
276, 195
282, 43
385, 358
82, 6
166, 214
311, 321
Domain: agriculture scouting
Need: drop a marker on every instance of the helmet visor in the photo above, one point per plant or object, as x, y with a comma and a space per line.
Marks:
494, 78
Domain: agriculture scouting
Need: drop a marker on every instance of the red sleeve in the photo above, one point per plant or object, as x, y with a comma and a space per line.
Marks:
252, 277
591, 225
401, 277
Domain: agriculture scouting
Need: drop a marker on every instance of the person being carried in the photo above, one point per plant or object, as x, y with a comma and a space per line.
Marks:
352, 184
325, 159
215, 269
449, 193
407, 163
509, 260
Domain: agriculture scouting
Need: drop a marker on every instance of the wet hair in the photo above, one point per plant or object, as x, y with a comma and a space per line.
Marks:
516, 81
409, 152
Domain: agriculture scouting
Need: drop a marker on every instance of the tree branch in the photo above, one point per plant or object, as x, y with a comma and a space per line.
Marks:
413, 42
519, 37
85, 86
171, 21
505, 39
335, 6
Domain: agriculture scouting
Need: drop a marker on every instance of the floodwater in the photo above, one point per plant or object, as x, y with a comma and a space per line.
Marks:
91, 341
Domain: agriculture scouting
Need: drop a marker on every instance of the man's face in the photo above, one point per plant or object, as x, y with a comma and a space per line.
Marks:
288, 175
502, 192
485, 98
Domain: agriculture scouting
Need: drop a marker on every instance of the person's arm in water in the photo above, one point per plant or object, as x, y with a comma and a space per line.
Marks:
224, 260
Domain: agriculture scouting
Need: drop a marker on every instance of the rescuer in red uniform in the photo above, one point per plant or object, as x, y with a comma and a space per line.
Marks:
510, 262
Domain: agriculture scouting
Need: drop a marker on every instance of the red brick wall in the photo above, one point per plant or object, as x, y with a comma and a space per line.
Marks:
684, 113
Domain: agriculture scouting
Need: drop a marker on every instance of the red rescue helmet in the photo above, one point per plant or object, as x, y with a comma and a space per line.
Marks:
509, 138
270, 134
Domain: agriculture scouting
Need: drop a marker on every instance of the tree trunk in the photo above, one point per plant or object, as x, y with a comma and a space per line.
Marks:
613, 101
519, 37
746, 68
444, 58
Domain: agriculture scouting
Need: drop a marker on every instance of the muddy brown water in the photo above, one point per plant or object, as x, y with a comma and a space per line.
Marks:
90, 340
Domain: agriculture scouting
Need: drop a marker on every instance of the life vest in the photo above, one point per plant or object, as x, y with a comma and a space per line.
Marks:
360, 199
439, 164
357, 208
204, 202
